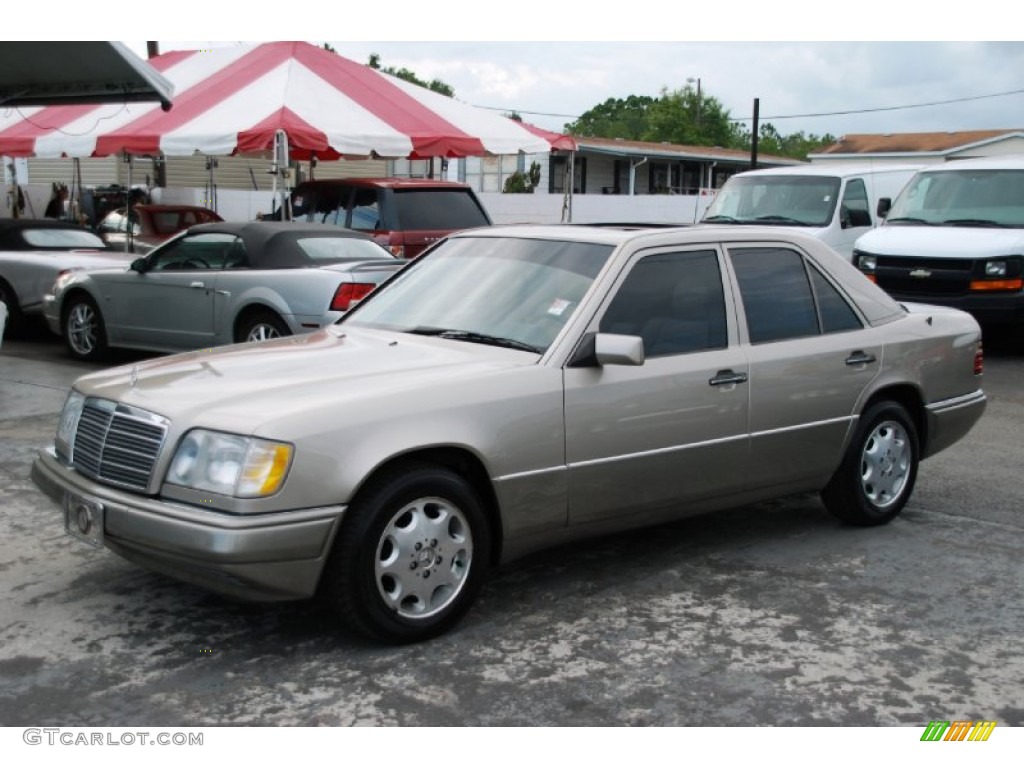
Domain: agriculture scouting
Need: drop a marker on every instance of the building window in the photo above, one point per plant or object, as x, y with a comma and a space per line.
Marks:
559, 170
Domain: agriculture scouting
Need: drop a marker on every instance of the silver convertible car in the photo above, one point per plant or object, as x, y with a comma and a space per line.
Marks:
33, 252
216, 284
515, 388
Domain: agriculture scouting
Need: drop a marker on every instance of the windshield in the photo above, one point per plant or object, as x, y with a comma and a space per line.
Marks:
978, 198
806, 201
510, 292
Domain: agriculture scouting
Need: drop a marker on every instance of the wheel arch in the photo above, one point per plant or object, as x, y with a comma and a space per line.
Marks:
911, 399
461, 461
72, 293
251, 310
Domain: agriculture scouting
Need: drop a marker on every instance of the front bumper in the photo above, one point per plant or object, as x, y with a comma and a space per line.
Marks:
987, 308
275, 556
949, 420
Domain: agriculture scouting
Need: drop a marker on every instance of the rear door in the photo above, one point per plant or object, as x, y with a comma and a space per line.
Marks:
810, 360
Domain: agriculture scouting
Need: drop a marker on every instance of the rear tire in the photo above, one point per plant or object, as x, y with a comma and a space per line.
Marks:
260, 326
82, 328
877, 475
411, 555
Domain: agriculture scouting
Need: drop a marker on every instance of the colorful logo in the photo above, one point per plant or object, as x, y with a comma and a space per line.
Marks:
958, 730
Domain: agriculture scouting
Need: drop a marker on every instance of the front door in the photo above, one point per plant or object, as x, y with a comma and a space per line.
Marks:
652, 437
171, 304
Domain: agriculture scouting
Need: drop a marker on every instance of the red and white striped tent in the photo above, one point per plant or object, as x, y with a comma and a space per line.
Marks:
234, 100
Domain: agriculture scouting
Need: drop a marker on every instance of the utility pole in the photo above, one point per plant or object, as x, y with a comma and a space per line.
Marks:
152, 49
754, 135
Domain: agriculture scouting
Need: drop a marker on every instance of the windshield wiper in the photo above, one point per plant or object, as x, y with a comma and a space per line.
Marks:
783, 219
910, 219
477, 338
721, 217
974, 223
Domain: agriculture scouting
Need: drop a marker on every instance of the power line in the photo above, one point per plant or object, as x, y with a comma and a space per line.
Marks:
869, 110
762, 118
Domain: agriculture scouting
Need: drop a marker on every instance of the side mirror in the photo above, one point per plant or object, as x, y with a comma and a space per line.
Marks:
140, 265
884, 206
613, 349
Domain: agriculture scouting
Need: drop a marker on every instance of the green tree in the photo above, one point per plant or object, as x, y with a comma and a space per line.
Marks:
796, 145
436, 85
684, 116
615, 119
520, 182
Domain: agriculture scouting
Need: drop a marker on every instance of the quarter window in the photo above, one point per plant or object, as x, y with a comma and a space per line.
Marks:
674, 302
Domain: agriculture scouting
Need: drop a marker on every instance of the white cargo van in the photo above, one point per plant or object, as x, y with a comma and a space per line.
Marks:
835, 203
955, 236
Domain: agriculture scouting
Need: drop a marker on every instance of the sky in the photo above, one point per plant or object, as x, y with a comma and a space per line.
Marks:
551, 63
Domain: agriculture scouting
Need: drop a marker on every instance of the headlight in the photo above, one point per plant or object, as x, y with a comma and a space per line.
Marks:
68, 424
230, 465
995, 269
867, 262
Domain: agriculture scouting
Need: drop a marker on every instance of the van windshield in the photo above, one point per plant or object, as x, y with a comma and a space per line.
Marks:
962, 198
803, 201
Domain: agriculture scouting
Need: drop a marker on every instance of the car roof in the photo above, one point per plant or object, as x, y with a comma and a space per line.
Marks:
389, 182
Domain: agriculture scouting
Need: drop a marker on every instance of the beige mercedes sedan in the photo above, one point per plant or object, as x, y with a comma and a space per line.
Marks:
512, 389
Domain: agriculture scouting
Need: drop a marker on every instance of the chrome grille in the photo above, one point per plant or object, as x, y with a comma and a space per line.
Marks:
118, 444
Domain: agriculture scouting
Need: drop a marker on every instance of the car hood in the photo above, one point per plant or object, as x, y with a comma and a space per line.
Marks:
941, 242
245, 387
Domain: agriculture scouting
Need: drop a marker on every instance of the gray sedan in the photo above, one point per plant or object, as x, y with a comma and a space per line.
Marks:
511, 389
218, 284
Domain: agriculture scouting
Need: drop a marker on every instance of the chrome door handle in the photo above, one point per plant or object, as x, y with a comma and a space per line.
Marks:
727, 377
197, 284
860, 358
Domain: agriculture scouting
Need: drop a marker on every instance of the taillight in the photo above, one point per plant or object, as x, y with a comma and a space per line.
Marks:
979, 361
398, 251
348, 294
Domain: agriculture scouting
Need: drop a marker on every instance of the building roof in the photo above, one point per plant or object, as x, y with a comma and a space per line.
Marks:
939, 142
629, 147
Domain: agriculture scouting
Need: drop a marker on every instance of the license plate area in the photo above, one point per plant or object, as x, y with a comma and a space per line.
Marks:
83, 519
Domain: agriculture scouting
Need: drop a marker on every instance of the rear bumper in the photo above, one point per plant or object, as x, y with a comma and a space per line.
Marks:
275, 556
949, 420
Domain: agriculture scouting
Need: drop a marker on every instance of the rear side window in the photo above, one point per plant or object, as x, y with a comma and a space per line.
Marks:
61, 238
779, 299
447, 209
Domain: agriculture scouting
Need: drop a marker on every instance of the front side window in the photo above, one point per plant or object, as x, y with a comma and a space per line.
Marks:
197, 252
674, 302
856, 209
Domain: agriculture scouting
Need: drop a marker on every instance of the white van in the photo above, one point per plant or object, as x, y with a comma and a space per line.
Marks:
835, 203
955, 236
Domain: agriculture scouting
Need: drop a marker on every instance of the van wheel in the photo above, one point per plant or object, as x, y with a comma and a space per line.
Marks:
877, 475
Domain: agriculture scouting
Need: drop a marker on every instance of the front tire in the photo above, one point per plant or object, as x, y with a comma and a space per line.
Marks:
877, 475
83, 330
411, 555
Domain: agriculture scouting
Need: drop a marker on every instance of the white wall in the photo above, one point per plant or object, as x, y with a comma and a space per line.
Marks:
536, 208
542, 208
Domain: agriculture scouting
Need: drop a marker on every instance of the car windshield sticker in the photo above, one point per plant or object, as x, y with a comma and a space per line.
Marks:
558, 307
